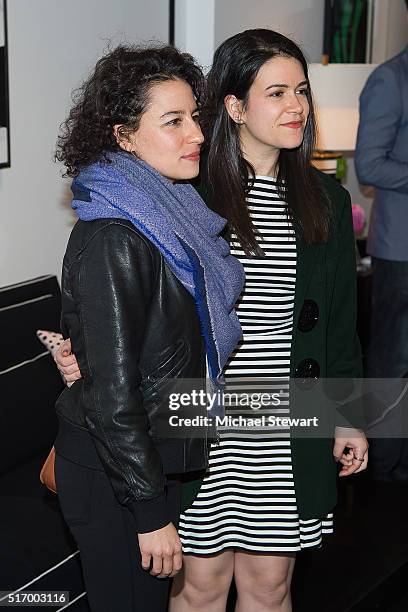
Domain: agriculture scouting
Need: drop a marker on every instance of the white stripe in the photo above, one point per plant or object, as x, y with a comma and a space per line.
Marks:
196, 515
265, 433
71, 602
260, 206
247, 519
247, 523
287, 299
264, 329
38, 299
242, 532
237, 494
271, 487
40, 575
254, 345
260, 371
238, 472
267, 265
266, 216
24, 283
274, 230
260, 198
23, 363
258, 362
253, 279
239, 443
215, 462
271, 248
265, 289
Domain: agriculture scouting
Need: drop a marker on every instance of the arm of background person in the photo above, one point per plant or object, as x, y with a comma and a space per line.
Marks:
380, 117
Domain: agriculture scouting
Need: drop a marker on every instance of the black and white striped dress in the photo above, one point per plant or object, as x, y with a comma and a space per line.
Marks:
247, 500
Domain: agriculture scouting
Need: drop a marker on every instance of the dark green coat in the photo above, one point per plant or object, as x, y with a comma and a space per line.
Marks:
326, 275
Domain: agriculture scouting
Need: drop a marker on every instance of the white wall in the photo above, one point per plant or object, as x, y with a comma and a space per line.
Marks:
398, 27
52, 46
301, 20
194, 29
390, 34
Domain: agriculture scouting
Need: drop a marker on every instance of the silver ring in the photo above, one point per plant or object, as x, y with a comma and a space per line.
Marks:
358, 459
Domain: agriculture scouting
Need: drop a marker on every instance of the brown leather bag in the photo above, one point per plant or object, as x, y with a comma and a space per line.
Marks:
47, 474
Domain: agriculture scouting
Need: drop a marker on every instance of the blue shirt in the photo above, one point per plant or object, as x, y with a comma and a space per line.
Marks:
382, 156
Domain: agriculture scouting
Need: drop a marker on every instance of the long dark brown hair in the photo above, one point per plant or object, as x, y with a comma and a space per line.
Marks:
236, 64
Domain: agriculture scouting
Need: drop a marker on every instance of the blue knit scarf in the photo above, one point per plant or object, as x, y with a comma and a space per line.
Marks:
177, 221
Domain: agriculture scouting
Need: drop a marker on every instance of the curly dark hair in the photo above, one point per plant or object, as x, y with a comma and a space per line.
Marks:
117, 92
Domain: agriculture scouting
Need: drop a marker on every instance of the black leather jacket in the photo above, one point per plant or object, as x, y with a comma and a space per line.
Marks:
133, 326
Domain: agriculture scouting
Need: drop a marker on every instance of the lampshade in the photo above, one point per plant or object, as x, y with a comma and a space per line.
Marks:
337, 128
336, 90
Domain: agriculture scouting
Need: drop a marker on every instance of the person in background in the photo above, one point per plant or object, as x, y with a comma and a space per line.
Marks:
381, 161
144, 251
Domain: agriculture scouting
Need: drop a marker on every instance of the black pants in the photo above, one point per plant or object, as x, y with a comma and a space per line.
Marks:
104, 530
387, 357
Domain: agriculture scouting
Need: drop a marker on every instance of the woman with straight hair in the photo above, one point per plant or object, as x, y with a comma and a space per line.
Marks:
269, 493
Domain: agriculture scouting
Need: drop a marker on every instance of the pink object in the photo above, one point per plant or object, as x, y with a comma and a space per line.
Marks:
359, 218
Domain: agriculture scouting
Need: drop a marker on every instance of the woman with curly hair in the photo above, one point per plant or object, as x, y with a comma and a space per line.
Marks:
148, 290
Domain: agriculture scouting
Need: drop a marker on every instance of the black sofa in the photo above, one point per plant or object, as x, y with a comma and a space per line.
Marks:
37, 552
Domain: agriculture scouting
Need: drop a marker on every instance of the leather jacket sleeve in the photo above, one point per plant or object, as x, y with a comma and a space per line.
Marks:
114, 284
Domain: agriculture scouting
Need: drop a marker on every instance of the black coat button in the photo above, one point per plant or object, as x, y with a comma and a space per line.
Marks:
308, 316
306, 373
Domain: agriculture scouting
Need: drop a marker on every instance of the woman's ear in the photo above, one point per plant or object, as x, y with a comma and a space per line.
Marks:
122, 138
234, 108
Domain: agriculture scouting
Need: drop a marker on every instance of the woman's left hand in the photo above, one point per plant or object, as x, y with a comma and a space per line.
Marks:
356, 459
